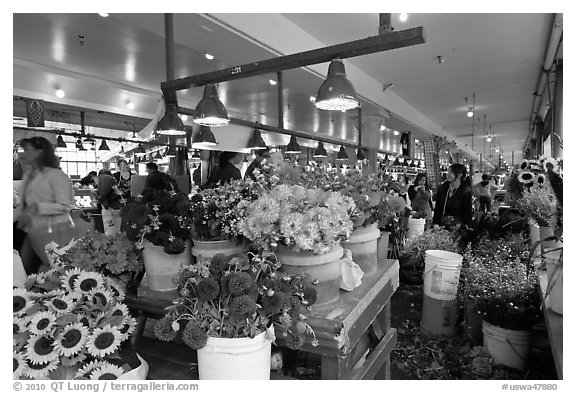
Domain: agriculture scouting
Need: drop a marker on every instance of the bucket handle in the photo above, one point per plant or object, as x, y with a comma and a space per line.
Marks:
437, 266
514, 349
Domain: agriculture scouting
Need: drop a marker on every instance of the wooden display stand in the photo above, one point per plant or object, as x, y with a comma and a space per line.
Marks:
354, 332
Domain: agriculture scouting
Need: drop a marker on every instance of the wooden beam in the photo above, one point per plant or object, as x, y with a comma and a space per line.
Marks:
365, 46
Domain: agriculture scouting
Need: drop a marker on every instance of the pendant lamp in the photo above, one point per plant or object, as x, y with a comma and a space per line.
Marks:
203, 138
60, 142
170, 123
256, 142
337, 92
103, 145
79, 145
320, 151
211, 111
360, 154
140, 150
293, 146
158, 156
342, 155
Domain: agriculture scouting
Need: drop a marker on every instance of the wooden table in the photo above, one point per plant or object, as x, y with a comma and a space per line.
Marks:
354, 332
554, 325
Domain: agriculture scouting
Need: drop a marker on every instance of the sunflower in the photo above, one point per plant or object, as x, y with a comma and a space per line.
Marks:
550, 163
72, 339
119, 309
100, 297
87, 281
525, 165
39, 371
40, 349
21, 301
116, 289
535, 164
62, 304
69, 278
103, 341
541, 179
42, 322
106, 371
526, 177
19, 365
85, 371
128, 328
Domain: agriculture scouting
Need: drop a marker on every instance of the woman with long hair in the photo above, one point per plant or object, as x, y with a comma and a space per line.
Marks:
47, 198
454, 198
421, 197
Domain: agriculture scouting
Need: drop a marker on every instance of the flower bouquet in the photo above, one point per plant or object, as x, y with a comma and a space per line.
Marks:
238, 296
161, 217
538, 203
217, 212
299, 218
69, 323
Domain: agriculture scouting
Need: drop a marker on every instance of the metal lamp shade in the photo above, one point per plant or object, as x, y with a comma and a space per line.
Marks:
256, 142
60, 142
211, 111
337, 92
320, 151
342, 155
293, 146
170, 123
158, 156
103, 145
140, 150
360, 154
204, 137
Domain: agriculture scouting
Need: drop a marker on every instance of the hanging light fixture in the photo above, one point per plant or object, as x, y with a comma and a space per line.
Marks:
360, 154
337, 92
320, 151
256, 142
204, 138
158, 156
60, 142
211, 111
170, 123
196, 156
140, 150
342, 155
122, 153
79, 144
293, 146
171, 151
104, 145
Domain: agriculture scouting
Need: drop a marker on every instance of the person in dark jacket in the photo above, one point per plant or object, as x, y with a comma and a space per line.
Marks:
226, 170
155, 179
421, 197
110, 197
90, 179
261, 156
454, 199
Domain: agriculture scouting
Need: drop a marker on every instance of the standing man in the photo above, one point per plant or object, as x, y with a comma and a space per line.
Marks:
261, 156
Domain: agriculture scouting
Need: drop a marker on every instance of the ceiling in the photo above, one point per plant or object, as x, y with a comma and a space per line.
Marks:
122, 58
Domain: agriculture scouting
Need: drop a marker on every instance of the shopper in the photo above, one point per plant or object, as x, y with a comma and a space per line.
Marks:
111, 200
483, 193
261, 156
123, 178
421, 197
454, 199
47, 197
91, 179
226, 169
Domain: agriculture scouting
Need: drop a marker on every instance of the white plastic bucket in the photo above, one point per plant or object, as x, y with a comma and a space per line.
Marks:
510, 348
415, 227
438, 317
383, 244
162, 269
555, 281
364, 246
204, 251
441, 274
236, 358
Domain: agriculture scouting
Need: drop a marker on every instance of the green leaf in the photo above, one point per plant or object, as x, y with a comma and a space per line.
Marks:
66, 319
116, 320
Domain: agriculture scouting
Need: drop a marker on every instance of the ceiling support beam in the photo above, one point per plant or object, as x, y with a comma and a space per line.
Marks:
365, 46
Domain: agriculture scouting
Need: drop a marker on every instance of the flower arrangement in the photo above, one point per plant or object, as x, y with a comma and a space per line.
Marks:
238, 296
161, 217
69, 323
539, 203
109, 255
217, 212
503, 289
305, 219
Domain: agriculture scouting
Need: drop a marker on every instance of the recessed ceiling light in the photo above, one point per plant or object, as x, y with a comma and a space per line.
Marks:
416, 141
103, 15
273, 82
60, 93
209, 56
396, 133
312, 98
183, 117
403, 17
130, 105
